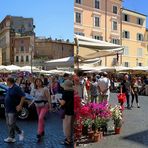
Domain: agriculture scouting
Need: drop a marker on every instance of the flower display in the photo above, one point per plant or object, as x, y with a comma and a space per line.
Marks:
94, 117
117, 116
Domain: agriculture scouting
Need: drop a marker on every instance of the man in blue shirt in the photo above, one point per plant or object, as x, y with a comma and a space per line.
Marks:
13, 103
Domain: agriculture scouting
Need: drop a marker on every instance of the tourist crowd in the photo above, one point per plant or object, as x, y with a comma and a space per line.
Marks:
50, 93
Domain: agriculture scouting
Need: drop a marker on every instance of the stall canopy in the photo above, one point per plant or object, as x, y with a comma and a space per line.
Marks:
13, 68
88, 48
63, 62
28, 69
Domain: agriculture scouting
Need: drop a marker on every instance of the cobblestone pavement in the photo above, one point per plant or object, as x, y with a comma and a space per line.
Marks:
134, 132
52, 139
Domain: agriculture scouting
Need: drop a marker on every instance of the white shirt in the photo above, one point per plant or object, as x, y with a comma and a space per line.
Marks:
104, 84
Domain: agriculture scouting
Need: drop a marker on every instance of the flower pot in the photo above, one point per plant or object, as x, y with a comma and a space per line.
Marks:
91, 134
101, 135
117, 130
96, 137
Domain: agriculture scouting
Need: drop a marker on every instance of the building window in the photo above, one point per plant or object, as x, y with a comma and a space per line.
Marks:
114, 62
139, 21
126, 64
29, 25
139, 52
98, 37
140, 37
97, 21
78, 1
80, 33
22, 59
22, 48
114, 27
126, 34
17, 59
126, 51
97, 4
115, 9
78, 17
27, 58
126, 18
115, 41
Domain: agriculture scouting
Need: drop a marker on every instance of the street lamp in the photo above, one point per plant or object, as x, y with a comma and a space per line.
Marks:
32, 39
32, 47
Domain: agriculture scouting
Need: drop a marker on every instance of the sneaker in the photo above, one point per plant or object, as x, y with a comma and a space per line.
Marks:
10, 140
21, 136
39, 137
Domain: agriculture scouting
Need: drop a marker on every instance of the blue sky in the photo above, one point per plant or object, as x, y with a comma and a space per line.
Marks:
140, 6
52, 18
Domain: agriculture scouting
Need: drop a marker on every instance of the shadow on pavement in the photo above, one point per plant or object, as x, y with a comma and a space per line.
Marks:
140, 138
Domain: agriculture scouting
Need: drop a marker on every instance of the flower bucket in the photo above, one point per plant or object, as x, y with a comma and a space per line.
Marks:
96, 137
117, 130
91, 134
101, 135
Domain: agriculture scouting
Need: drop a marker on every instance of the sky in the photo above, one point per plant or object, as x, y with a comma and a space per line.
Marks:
52, 18
140, 6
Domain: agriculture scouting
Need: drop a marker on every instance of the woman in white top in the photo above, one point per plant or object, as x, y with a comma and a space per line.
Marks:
42, 102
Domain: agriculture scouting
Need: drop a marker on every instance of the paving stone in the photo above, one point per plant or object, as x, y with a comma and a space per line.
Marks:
53, 133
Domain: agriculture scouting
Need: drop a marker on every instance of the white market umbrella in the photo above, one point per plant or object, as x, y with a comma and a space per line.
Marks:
28, 68
66, 62
12, 68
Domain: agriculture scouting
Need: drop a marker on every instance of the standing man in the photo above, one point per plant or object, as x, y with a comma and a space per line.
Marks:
13, 103
104, 87
126, 88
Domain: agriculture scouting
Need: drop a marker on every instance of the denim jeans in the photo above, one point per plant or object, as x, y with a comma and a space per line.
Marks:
11, 123
128, 99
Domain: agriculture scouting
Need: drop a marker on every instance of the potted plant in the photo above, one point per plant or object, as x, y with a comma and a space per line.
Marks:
86, 124
117, 118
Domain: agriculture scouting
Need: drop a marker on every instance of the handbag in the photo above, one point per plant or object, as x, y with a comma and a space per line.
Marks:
121, 97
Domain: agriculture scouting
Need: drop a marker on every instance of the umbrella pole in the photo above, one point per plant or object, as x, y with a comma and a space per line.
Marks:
77, 57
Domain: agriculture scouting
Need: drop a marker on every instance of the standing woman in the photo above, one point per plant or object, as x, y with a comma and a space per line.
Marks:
67, 103
134, 92
42, 102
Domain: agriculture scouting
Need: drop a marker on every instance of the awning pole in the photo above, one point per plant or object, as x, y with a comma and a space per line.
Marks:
77, 54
